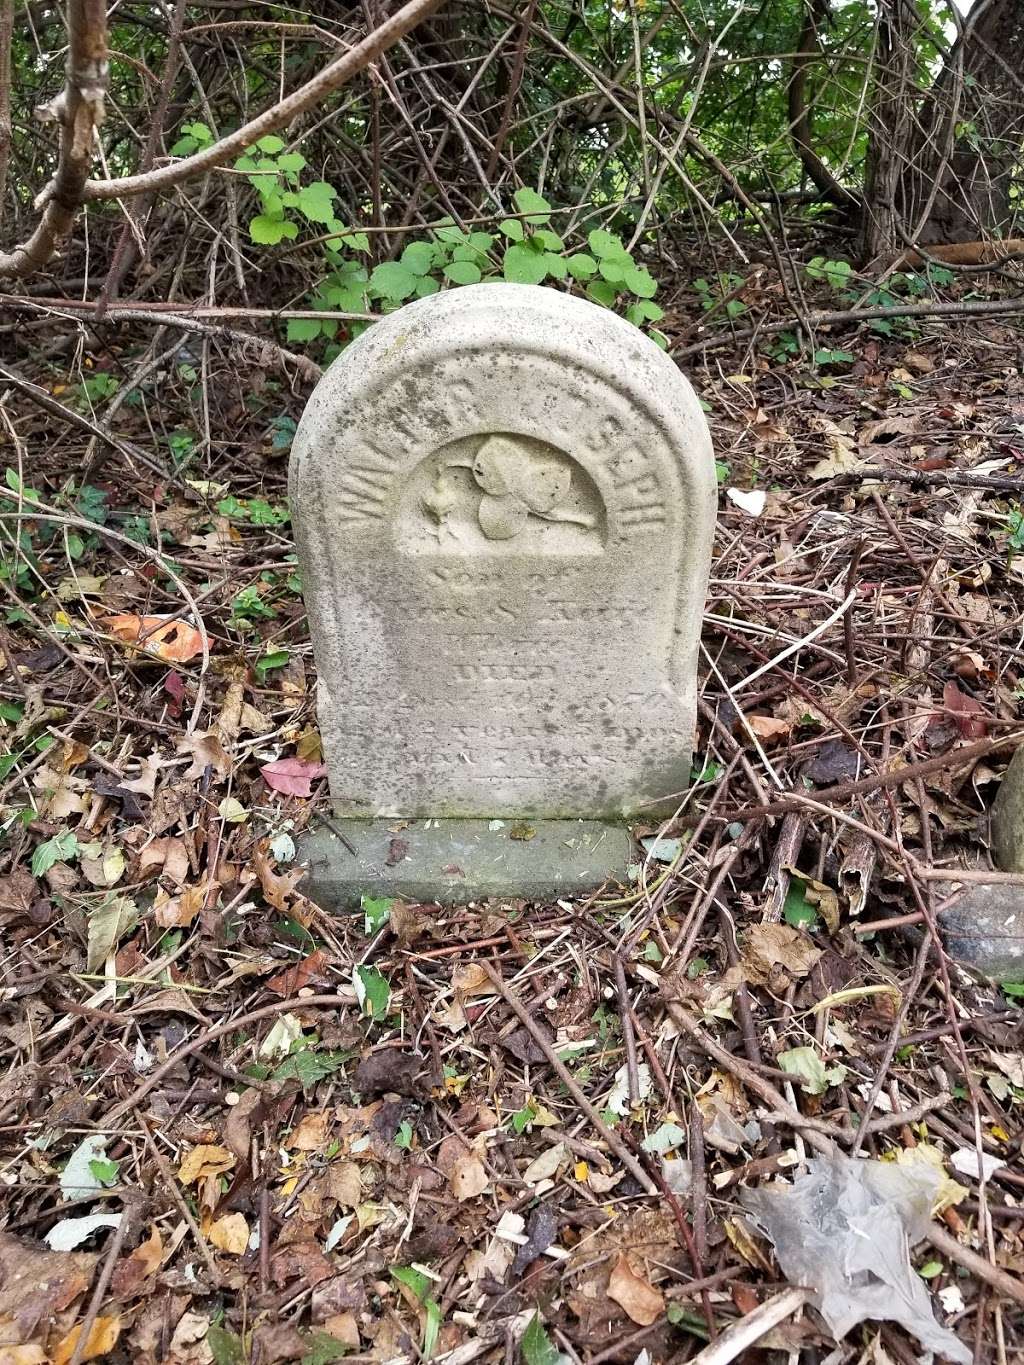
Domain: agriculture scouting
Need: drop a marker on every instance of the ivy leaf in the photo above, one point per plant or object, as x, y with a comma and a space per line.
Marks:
641, 283
303, 329
581, 266
606, 246
534, 205
523, 266
62, 848
372, 991
512, 228
602, 292
418, 257
268, 231
462, 272
393, 281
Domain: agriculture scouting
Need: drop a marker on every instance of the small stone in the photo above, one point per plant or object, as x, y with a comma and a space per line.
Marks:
1008, 817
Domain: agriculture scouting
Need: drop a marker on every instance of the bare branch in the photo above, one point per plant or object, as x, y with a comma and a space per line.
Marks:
332, 78
79, 110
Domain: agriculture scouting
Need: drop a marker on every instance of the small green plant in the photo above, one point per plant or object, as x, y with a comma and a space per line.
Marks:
1015, 530
94, 388
716, 295
834, 273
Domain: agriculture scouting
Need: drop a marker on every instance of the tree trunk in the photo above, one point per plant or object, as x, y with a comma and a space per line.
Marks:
941, 167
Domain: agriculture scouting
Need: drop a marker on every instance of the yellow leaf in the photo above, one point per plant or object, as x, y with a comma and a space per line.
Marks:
230, 1234
581, 1171
102, 1338
206, 1159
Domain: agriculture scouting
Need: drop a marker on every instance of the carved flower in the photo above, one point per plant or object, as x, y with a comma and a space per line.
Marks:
516, 485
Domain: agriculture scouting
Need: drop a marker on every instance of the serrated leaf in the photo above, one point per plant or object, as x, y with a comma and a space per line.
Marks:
269, 231
62, 848
308, 1067
536, 1345
316, 202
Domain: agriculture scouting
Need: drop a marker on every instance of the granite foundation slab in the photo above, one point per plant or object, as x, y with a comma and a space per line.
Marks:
457, 861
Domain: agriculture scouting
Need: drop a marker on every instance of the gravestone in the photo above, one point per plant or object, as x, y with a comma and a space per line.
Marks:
504, 502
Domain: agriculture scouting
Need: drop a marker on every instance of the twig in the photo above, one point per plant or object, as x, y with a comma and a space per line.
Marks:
563, 1073
103, 1283
1002, 1282
241, 1021
272, 120
752, 1328
167, 1175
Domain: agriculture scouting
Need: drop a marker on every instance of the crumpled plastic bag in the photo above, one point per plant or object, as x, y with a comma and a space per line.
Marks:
845, 1230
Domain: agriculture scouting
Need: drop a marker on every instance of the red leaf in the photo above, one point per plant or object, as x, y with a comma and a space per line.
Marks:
292, 776
174, 684
966, 710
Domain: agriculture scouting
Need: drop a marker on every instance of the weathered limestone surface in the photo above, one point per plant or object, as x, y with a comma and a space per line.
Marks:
983, 928
504, 501
1008, 817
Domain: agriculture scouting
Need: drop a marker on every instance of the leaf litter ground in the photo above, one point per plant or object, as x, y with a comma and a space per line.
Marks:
236, 1127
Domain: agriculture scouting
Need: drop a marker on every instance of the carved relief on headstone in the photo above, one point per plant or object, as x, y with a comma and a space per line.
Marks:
504, 501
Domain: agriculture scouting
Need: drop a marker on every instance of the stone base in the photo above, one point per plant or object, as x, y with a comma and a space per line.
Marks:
984, 928
457, 861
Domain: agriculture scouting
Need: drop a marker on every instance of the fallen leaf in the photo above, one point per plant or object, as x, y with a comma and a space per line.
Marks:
172, 640
344, 1184
292, 979
72, 1232
145, 783
292, 776
230, 1234
768, 727
388, 1069
168, 854
841, 457
131, 1272
309, 1134
769, 945
966, 710
471, 979
278, 887
752, 501
545, 1166
206, 1159
206, 751
641, 1301
175, 912
101, 1340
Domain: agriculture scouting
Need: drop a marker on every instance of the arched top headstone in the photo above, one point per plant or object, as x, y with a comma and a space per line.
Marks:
504, 501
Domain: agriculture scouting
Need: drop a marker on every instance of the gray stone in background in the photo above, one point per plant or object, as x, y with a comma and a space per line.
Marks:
1008, 818
504, 501
984, 928
456, 861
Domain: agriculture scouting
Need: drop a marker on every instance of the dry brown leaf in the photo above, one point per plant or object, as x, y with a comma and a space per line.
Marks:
206, 1159
130, 1273
22, 1355
641, 1301
545, 1166
278, 888
206, 751
238, 1125
471, 979
172, 640
344, 1184
768, 727
770, 945
173, 912
292, 979
170, 855
145, 783
101, 1340
237, 715
841, 456
309, 1134
230, 1234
